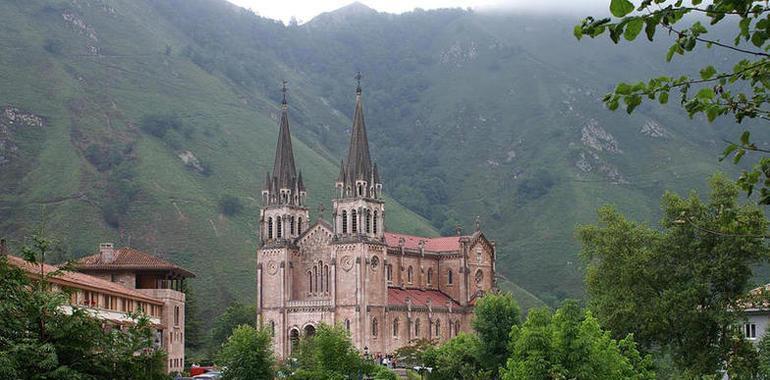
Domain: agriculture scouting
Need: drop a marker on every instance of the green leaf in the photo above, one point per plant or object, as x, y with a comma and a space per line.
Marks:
650, 28
707, 72
729, 149
633, 29
663, 97
578, 31
706, 93
620, 8
758, 38
745, 136
623, 89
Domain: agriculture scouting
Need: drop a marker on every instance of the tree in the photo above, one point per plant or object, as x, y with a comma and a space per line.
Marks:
235, 315
679, 287
330, 354
247, 354
570, 344
38, 340
230, 205
714, 92
494, 316
458, 358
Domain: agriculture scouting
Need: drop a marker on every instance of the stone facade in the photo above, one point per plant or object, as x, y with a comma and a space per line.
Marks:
387, 289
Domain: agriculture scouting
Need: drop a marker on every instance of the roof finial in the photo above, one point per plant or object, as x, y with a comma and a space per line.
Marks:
321, 210
478, 223
358, 80
283, 90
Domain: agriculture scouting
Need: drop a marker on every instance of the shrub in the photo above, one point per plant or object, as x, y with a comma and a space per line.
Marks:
230, 205
158, 125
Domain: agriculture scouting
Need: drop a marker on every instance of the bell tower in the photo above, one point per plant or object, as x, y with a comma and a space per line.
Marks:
284, 215
358, 207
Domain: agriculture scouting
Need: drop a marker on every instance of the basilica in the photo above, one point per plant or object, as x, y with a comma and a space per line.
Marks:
386, 288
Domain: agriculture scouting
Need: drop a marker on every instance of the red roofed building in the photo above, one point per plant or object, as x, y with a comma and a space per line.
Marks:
152, 277
387, 289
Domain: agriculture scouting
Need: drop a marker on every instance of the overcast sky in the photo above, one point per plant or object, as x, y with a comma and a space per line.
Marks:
304, 10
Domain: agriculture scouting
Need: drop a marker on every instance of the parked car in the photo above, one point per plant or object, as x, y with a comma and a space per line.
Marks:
215, 375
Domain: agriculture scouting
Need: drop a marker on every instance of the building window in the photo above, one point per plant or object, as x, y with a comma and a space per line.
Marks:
294, 339
417, 327
374, 223
750, 330
375, 327
279, 233
310, 281
270, 228
409, 274
449, 278
347, 325
395, 327
438, 328
315, 278
272, 328
368, 221
479, 277
321, 269
326, 271
389, 272
457, 327
291, 225
353, 221
299, 225
430, 276
176, 315
344, 222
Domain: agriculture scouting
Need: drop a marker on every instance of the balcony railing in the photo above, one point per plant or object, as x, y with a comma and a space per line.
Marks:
309, 303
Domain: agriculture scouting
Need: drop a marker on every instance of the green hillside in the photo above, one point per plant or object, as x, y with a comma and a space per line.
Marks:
119, 105
131, 120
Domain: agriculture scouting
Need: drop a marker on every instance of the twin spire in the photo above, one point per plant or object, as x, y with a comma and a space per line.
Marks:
358, 176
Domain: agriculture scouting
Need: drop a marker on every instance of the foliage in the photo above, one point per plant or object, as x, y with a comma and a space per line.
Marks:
571, 345
536, 186
763, 357
459, 358
330, 354
247, 354
159, 125
383, 373
741, 91
121, 191
38, 340
679, 287
494, 316
412, 354
224, 325
230, 205
193, 329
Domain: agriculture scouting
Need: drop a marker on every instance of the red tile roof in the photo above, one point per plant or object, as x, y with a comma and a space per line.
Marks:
432, 244
79, 280
129, 258
398, 296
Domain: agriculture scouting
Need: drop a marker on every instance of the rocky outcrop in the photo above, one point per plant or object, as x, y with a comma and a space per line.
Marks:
597, 138
13, 119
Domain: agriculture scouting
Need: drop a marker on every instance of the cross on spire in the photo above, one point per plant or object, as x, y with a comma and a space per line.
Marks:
283, 90
358, 80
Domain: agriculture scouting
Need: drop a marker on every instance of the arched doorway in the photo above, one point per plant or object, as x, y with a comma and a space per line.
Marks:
309, 331
294, 339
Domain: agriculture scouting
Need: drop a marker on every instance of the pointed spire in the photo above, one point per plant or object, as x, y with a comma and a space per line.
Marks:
341, 177
283, 168
359, 162
267, 182
300, 184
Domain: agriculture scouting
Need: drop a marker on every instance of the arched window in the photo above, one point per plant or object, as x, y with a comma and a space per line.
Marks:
409, 273
368, 221
375, 327
291, 226
272, 328
344, 221
395, 327
315, 278
347, 325
176, 315
438, 328
360, 190
326, 272
321, 269
299, 225
353, 221
280, 229
430, 276
310, 281
294, 338
389, 272
417, 327
270, 227
457, 327
374, 229
449, 277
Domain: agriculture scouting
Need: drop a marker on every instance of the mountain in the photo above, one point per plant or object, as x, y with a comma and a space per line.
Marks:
152, 123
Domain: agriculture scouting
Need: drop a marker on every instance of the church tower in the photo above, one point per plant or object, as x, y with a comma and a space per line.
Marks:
358, 207
284, 215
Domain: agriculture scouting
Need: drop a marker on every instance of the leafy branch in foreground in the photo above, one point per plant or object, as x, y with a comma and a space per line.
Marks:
741, 91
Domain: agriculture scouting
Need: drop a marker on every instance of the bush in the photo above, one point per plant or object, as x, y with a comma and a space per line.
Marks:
383, 373
159, 125
536, 186
247, 354
230, 205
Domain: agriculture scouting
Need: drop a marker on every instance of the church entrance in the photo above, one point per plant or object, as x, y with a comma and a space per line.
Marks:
309, 331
